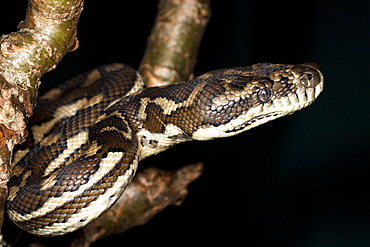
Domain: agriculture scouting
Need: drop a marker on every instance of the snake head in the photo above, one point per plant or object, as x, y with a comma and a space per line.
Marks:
238, 99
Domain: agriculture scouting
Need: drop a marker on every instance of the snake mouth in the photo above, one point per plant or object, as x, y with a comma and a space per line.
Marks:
298, 100
255, 121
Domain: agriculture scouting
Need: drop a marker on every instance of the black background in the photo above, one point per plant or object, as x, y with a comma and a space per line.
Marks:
302, 180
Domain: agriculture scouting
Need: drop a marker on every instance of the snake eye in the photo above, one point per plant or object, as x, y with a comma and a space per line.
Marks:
264, 95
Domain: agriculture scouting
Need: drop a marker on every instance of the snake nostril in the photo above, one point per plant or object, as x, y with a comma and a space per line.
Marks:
308, 74
310, 79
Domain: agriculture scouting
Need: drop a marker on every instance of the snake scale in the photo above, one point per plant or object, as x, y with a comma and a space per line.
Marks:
90, 132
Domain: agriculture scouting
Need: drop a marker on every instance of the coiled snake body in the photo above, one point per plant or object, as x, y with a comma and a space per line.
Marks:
92, 131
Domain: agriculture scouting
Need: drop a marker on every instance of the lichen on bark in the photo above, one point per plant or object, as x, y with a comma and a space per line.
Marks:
43, 38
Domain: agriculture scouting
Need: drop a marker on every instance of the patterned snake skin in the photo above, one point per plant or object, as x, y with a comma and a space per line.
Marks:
90, 133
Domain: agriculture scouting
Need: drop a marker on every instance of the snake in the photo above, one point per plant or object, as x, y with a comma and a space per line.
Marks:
87, 135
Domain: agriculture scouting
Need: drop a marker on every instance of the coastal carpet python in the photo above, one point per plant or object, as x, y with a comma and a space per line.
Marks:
91, 132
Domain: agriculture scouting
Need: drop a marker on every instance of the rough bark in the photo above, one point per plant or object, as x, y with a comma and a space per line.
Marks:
43, 38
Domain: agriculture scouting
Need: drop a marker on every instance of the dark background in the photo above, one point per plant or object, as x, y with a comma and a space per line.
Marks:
302, 180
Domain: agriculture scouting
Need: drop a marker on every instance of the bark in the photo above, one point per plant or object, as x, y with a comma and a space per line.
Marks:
173, 44
43, 38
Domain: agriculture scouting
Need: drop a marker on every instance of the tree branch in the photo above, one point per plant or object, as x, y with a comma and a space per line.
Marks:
44, 37
173, 44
